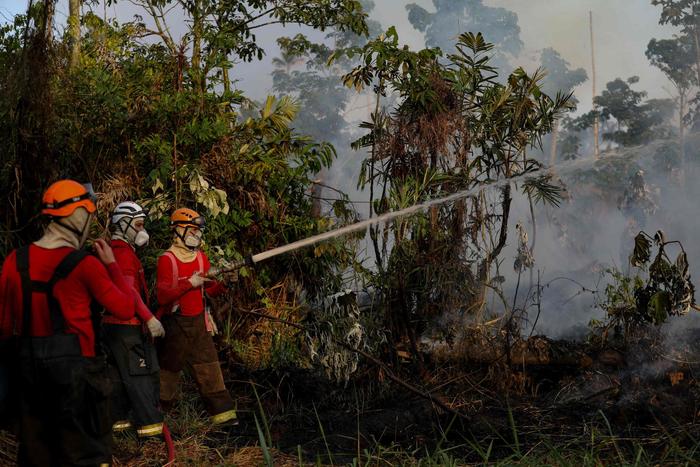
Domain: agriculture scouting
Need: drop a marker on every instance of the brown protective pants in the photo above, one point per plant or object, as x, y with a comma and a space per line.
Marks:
187, 344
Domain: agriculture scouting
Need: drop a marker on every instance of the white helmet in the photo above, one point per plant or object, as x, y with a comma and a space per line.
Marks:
127, 209
122, 217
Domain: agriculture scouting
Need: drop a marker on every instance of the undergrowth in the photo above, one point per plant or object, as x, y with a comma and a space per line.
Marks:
256, 442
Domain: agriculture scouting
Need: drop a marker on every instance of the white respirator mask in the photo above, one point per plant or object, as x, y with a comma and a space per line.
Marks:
141, 238
193, 241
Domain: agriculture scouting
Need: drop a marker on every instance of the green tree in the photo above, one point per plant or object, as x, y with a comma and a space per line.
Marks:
627, 118
560, 78
318, 87
674, 57
130, 119
452, 128
684, 14
453, 17
220, 31
26, 111
311, 72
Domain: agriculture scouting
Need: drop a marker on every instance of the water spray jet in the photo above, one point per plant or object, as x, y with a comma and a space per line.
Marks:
554, 170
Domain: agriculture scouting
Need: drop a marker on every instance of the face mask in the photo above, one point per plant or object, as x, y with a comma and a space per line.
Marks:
141, 238
193, 241
129, 233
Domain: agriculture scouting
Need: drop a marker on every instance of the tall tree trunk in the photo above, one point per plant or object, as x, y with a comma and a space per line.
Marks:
553, 147
434, 210
596, 123
225, 77
197, 32
317, 194
696, 37
681, 135
484, 268
74, 31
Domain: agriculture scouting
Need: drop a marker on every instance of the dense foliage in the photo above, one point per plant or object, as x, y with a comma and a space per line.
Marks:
141, 120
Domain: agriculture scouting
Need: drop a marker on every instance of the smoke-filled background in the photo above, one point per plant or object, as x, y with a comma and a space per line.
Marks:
590, 231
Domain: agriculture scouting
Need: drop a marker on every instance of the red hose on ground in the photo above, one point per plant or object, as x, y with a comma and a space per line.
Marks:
169, 444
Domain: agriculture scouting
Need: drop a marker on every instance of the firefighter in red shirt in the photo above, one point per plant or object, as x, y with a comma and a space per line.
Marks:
182, 288
46, 289
131, 353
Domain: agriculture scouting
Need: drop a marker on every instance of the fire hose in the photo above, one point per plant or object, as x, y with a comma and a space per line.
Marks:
356, 227
169, 444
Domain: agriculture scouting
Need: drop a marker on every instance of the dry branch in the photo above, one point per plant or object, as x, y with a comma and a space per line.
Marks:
385, 368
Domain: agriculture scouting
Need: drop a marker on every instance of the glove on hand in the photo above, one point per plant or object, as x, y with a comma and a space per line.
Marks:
228, 276
155, 328
197, 280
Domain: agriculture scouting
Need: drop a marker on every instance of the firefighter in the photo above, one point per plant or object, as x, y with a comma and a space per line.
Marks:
182, 288
131, 353
46, 289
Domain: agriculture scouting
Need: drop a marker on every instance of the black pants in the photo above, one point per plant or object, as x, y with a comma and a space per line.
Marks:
64, 405
135, 377
9, 394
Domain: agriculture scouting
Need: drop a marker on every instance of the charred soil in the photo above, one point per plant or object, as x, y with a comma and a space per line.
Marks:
553, 395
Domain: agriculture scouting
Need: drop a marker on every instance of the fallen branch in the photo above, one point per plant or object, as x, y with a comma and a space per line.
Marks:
389, 373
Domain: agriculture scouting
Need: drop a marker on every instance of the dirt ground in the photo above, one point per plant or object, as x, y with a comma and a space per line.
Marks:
646, 394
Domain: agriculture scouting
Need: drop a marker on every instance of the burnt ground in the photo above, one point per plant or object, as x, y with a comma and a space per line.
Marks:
643, 395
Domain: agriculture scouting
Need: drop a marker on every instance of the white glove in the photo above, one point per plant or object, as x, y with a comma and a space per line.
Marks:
155, 328
213, 271
214, 328
197, 280
228, 276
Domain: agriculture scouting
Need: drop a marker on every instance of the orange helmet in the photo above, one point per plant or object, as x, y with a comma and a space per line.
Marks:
63, 197
184, 217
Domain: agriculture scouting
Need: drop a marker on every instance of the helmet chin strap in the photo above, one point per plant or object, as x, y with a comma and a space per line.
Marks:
182, 238
125, 230
78, 233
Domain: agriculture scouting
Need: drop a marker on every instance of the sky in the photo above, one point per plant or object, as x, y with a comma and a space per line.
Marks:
622, 29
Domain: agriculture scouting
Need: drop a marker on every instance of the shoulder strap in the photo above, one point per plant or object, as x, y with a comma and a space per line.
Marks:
22, 259
29, 286
174, 281
67, 264
142, 283
200, 265
173, 263
64, 268
200, 261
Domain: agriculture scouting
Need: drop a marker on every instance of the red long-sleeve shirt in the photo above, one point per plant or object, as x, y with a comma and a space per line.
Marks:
90, 279
132, 270
190, 300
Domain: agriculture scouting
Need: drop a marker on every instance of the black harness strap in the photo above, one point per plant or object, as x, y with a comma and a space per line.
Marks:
27, 289
64, 268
